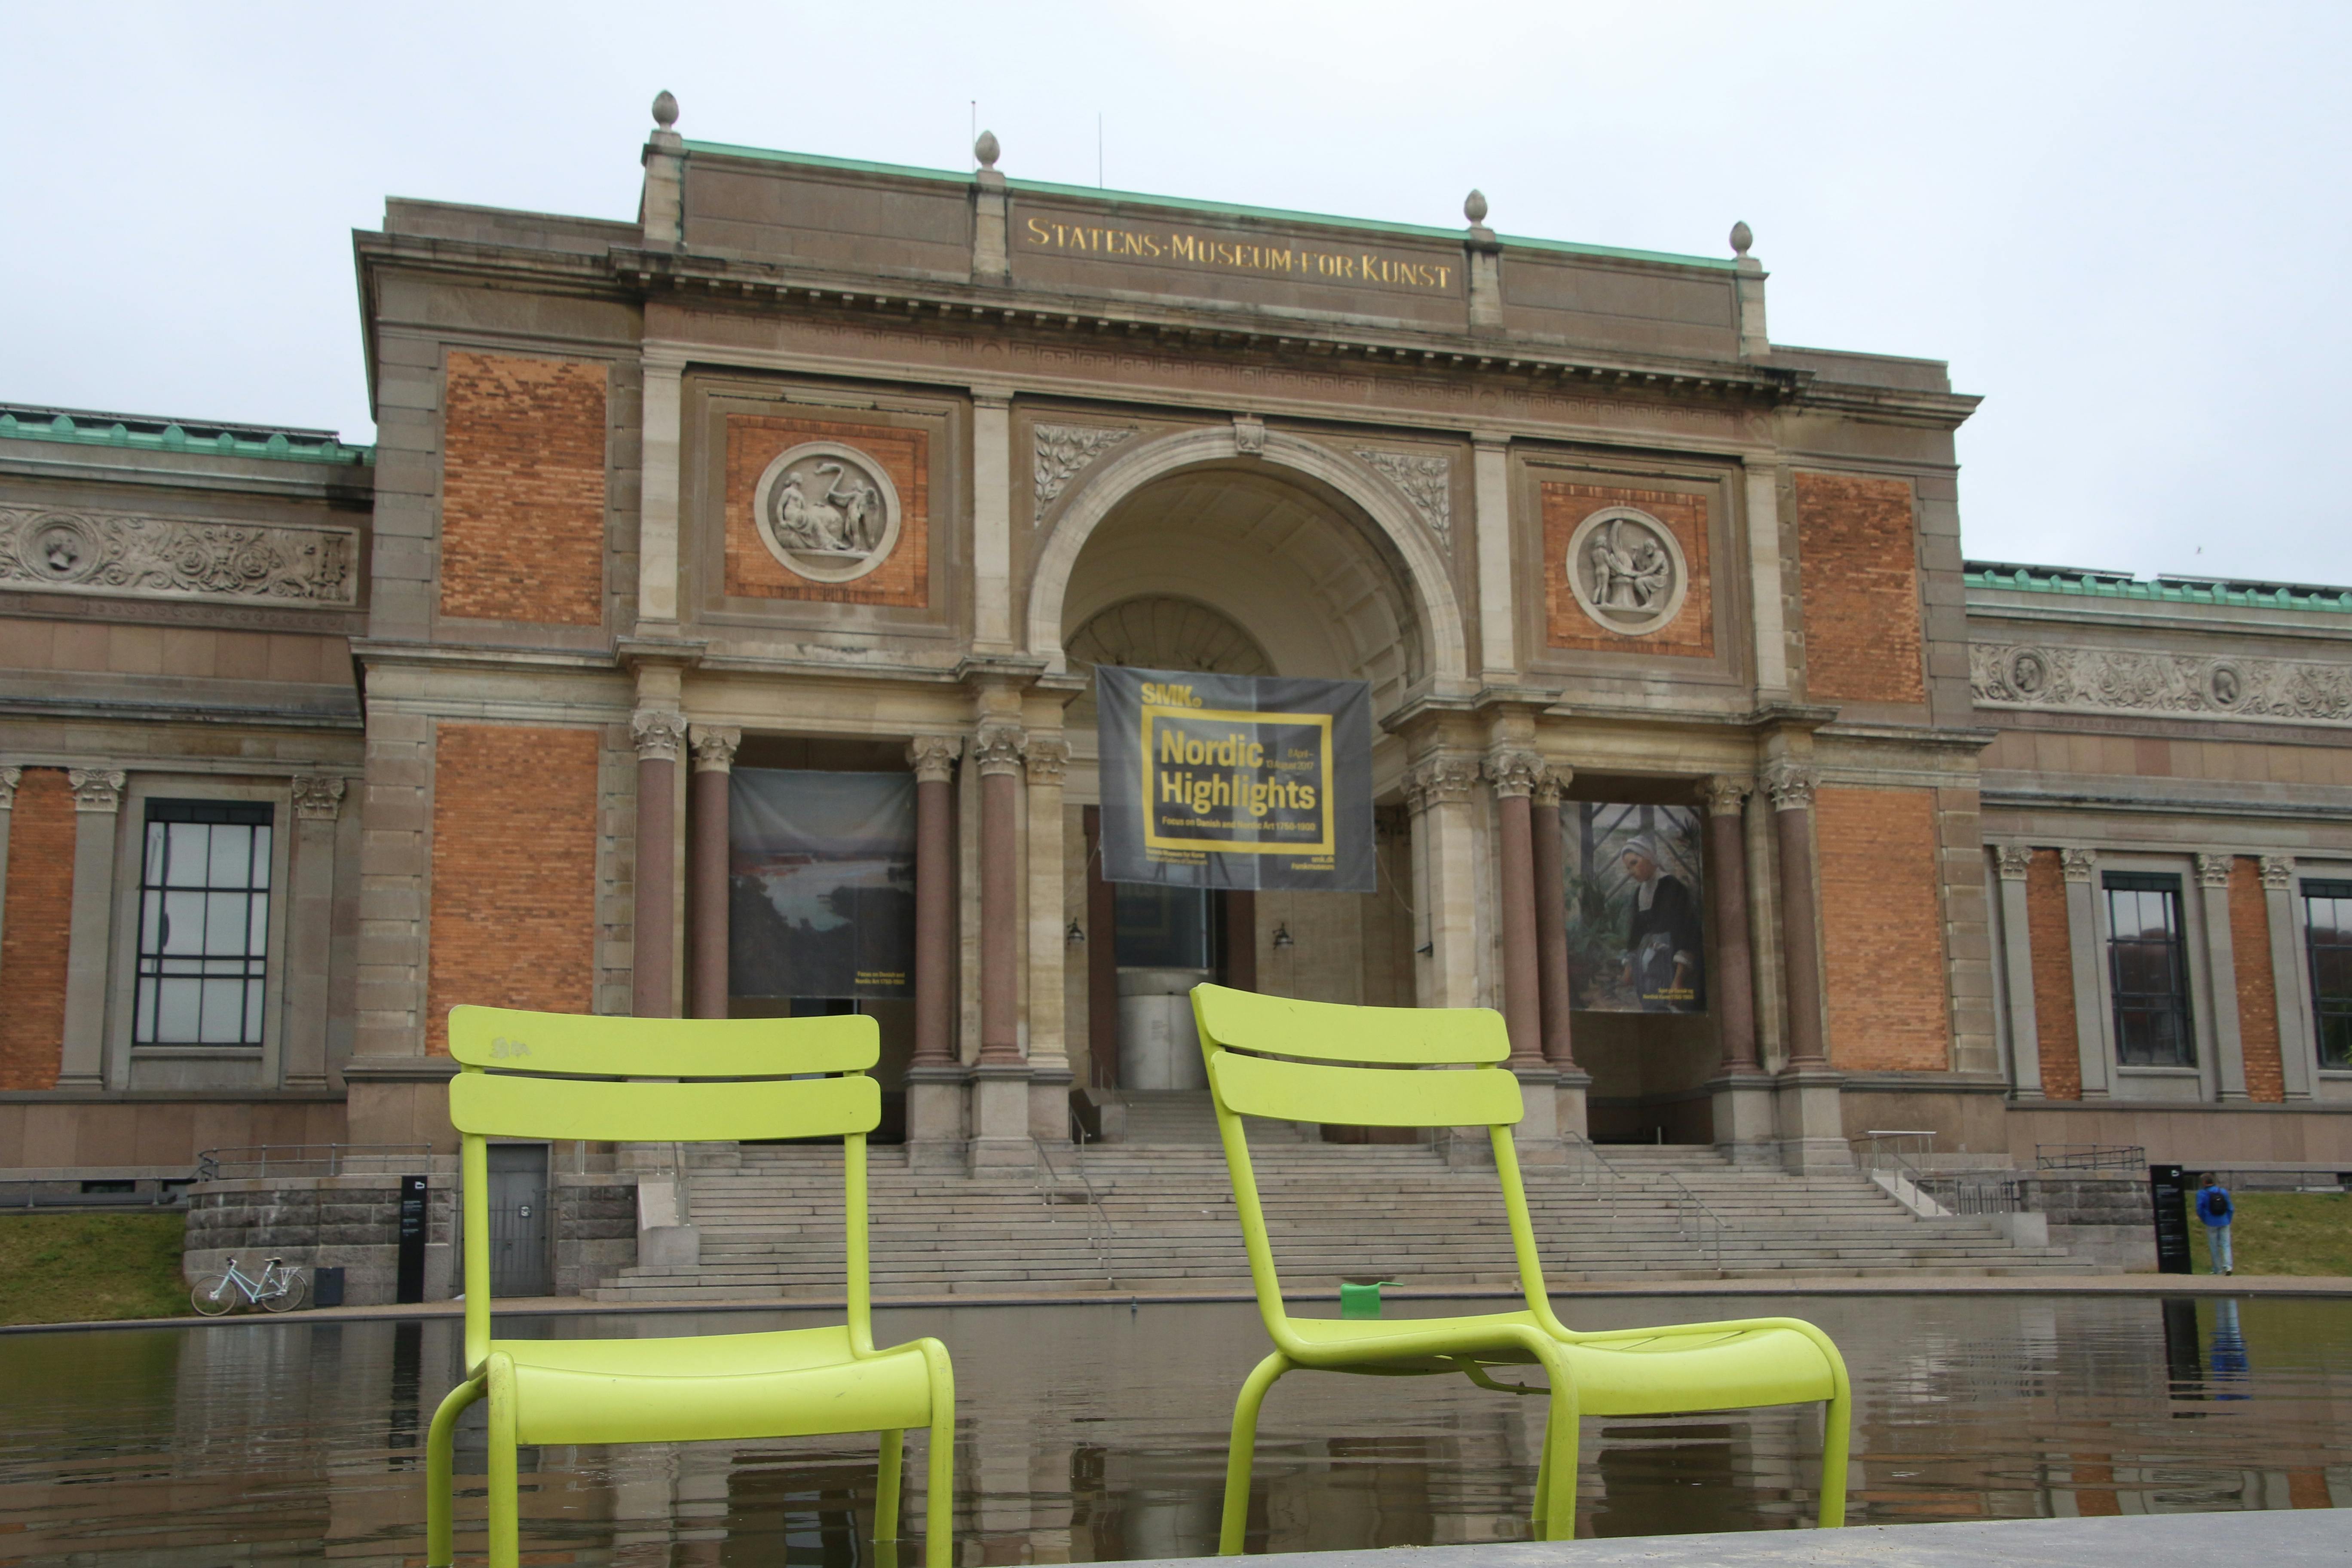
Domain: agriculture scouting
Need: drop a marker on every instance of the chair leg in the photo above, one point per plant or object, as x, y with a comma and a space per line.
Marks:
1543, 1483
1556, 1476
505, 1499
939, 1502
1243, 1448
885, 1490
1837, 1431
440, 1445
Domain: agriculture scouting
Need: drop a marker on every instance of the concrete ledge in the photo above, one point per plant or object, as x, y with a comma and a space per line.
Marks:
2278, 1540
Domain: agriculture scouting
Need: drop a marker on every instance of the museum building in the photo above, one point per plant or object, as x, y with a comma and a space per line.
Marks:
823, 468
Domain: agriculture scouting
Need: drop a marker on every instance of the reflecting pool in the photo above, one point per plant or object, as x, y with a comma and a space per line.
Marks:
1096, 1432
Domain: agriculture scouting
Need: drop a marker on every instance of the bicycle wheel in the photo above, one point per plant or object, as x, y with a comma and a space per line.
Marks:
288, 1294
213, 1295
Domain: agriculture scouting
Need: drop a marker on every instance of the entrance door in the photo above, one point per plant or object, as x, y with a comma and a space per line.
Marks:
518, 1219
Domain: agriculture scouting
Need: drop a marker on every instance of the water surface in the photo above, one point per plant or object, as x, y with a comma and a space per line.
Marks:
1096, 1432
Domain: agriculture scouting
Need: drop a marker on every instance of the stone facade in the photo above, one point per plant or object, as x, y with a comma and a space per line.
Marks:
861, 470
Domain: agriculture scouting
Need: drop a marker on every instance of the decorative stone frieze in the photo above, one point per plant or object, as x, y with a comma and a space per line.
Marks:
659, 735
9, 779
2080, 865
1046, 758
2033, 674
714, 746
1446, 779
933, 757
2278, 872
1426, 481
2213, 870
174, 558
1724, 793
318, 797
1513, 774
1790, 784
2014, 860
1065, 451
999, 748
96, 789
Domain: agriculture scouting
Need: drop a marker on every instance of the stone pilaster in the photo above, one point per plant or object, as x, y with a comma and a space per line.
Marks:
2220, 976
98, 804
992, 471
1438, 790
2012, 861
1490, 474
707, 837
2298, 1055
318, 805
1049, 1040
2088, 965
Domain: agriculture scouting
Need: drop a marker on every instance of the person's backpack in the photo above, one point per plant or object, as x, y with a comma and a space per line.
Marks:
2213, 1205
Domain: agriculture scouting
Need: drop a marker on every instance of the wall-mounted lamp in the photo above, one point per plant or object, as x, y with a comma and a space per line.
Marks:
1074, 936
1282, 937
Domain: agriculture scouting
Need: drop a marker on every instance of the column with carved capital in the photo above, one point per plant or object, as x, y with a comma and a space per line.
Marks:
1513, 775
1000, 1091
660, 734
1551, 920
310, 929
1048, 1047
9, 779
2013, 861
2298, 1059
2220, 975
1742, 1093
935, 1105
1438, 790
706, 835
1811, 1130
98, 803
2088, 965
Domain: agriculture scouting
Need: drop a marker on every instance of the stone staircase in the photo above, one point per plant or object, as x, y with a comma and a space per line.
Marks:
1156, 1214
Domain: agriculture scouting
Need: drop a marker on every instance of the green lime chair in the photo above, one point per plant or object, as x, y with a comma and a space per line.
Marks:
550, 1075
1314, 1062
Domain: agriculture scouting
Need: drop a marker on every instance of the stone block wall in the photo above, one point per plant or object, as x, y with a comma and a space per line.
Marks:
2099, 1219
596, 1228
350, 1222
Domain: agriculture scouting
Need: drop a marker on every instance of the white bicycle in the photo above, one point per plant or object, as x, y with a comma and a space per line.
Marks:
280, 1288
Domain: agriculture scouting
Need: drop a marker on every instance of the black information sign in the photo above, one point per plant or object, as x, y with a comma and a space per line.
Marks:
409, 1286
1233, 781
2167, 1187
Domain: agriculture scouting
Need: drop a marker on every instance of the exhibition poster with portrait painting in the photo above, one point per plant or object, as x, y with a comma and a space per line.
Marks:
1636, 941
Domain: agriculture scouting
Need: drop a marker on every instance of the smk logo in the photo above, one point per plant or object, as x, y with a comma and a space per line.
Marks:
1170, 695
502, 1047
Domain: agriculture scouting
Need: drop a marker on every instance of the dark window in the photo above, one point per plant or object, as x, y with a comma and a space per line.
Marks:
2147, 966
204, 923
1163, 927
2327, 936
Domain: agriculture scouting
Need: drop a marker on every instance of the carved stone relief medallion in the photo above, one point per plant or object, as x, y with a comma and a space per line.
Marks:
1627, 571
827, 512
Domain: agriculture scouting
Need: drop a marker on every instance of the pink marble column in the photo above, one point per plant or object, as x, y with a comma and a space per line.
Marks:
1552, 920
658, 735
706, 867
933, 758
1513, 775
1733, 984
1791, 785
999, 750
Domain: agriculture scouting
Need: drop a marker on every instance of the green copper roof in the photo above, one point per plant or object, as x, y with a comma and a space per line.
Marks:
1218, 209
83, 428
2067, 580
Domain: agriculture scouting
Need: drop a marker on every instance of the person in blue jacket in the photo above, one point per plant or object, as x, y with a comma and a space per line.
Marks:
2214, 1206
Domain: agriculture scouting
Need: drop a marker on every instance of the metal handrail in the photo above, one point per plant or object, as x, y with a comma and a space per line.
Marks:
1046, 1172
213, 1164
1963, 1192
1692, 1217
2090, 1157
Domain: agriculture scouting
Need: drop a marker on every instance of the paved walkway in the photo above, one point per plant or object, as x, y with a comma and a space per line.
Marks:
2277, 1539
1904, 1285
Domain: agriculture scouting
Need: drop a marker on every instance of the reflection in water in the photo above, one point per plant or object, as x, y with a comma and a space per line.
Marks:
1094, 1433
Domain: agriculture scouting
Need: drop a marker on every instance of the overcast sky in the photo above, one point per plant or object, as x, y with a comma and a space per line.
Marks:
2124, 226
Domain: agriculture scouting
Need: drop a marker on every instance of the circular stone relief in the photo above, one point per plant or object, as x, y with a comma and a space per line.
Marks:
2225, 685
1626, 569
58, 549
828, 512
2029, 672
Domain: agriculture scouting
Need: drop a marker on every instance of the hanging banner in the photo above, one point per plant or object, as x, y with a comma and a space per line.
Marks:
821, 883
1235, 781
1634, 936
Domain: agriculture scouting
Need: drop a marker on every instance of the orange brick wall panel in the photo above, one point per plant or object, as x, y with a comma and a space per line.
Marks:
513, 919
1881, 918
2053, 975
523, 490
1690, 635
34, 930
2250, 949
1859, 569
904, 578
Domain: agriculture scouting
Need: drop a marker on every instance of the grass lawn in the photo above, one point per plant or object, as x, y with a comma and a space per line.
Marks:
72, 1268
2286, 1233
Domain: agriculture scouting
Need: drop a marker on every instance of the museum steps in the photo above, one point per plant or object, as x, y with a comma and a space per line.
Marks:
1159, 1217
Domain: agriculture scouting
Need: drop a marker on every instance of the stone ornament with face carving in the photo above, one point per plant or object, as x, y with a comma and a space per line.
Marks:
827, 512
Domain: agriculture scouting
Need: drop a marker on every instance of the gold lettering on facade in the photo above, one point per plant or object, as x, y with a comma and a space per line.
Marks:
1202, 250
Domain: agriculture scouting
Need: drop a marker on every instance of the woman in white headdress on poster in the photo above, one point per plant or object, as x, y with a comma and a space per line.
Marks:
1661, 934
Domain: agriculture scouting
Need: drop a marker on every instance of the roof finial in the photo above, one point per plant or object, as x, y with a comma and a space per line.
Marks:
1742, 237
665, 109
1474, 207
986, 150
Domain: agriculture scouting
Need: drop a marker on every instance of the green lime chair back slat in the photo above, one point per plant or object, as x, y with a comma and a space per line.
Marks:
657, 1080
1430, 1068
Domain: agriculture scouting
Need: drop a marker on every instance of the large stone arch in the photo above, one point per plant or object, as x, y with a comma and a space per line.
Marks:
1104, 487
